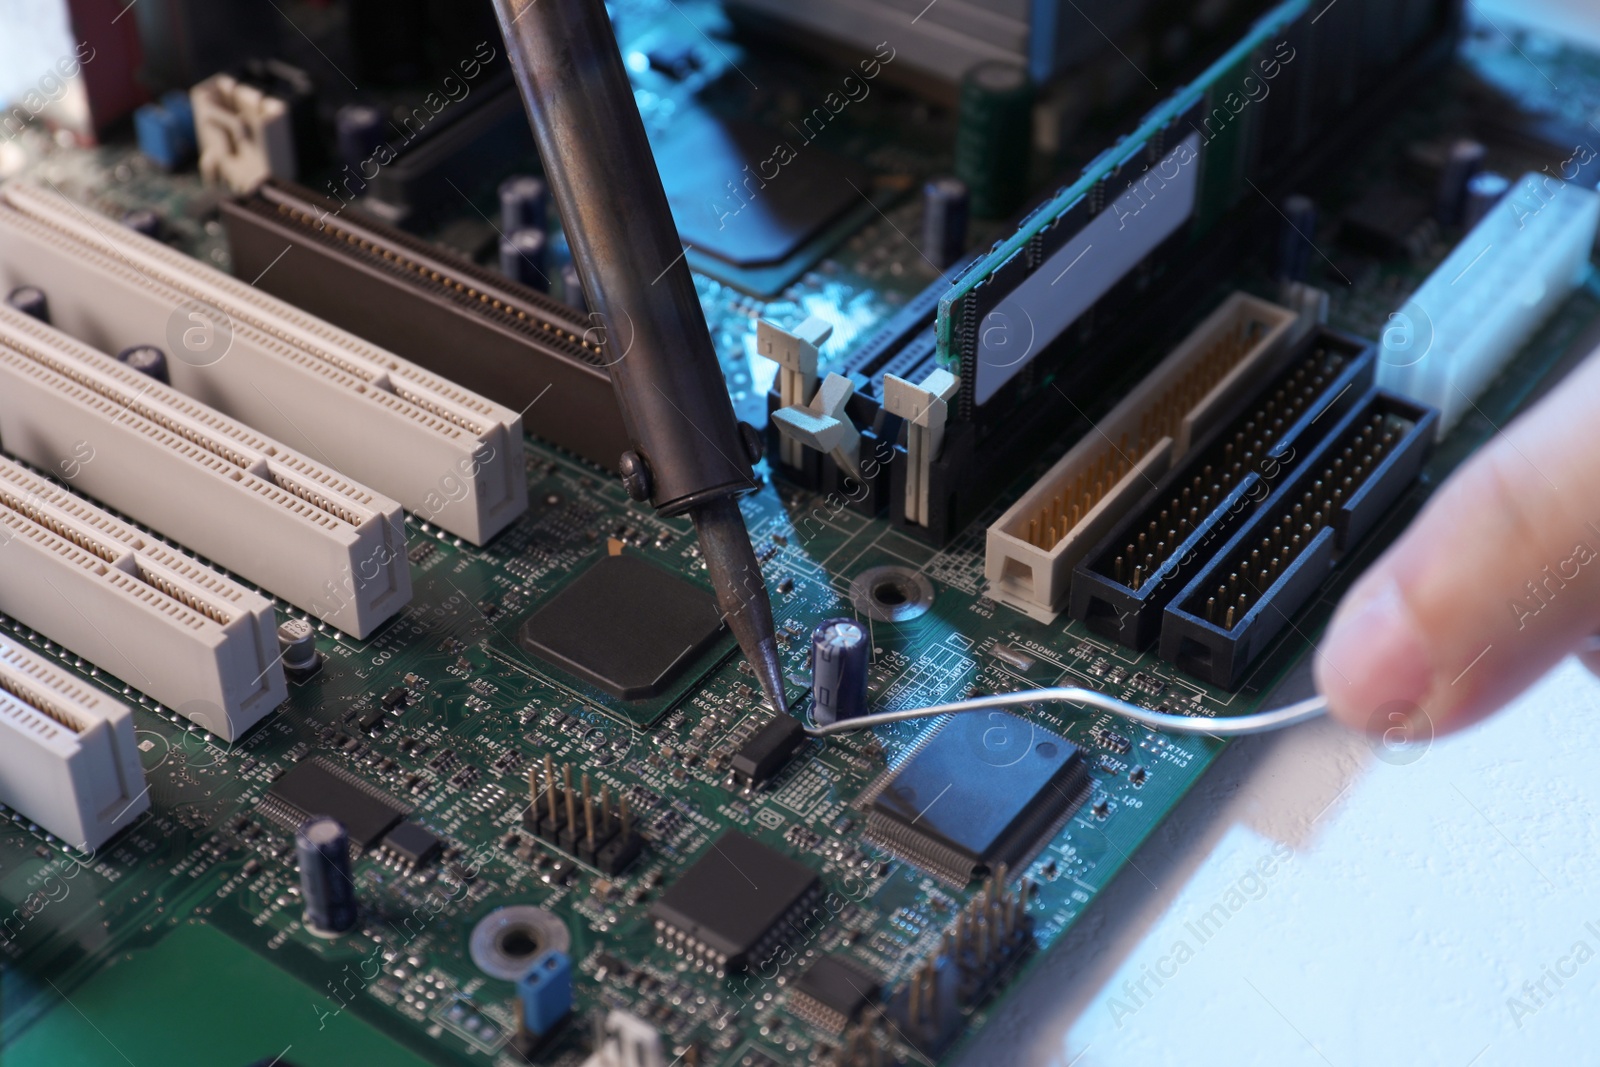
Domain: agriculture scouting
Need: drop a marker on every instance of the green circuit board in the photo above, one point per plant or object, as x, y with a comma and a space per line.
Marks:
182, 941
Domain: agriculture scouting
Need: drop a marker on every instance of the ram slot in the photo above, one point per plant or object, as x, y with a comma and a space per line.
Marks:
67, 756
1235, 606
1033, 547
330, 547
1120, 588
166, 625
448, 455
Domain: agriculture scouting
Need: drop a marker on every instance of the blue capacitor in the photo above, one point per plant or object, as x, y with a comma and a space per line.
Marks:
522, 258
358, 131
546, 992
1295, 242
147, 359
572, 288
946, 204
30, 300
838, 671
524, 201
1486, 189
323, 849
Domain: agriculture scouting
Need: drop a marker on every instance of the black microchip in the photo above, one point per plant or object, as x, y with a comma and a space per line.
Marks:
394, 698
737, 901
317, 788
761, 757
981, 792
833, 992
415, 845
626, 625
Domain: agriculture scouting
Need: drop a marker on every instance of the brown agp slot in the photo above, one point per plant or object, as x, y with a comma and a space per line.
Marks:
441, 311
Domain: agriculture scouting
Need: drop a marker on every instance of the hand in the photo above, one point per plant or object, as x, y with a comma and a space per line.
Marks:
1495, 582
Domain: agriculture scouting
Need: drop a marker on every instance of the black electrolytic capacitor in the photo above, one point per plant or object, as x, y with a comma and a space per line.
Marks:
323, 849
147, 359
1486, 189
1464, 159
1295, 242
522, 258
143, 220
524, 202
946, 203
358, 130
838, 671
30, 300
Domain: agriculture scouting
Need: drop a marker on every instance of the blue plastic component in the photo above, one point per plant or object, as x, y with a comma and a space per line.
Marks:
546, 992
165, 130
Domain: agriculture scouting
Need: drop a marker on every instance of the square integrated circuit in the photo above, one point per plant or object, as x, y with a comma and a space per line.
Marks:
984, 790
735, 903
624, 625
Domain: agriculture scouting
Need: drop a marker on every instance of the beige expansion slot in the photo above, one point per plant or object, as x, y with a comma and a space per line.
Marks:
330, 547
446, 454
1032, 548
67, 756
164, 623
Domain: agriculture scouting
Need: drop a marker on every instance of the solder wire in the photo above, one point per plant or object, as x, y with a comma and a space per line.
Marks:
1164, 722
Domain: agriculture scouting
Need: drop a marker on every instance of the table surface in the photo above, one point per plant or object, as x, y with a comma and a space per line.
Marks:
1321, 900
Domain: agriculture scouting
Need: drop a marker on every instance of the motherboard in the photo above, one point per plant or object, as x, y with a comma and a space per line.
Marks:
574, 832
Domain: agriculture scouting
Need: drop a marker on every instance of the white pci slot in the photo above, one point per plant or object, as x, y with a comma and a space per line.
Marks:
164, 623
67, 756
1032, 548
446, 454
324, 544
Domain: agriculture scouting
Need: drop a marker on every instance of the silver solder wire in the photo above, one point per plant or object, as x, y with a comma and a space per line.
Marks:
1164, 722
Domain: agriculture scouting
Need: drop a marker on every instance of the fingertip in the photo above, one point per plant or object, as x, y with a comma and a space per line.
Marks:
1374, 661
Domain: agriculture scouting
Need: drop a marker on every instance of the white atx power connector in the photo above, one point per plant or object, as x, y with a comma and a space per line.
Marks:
67, 756
243, 134
1033, 547
164, 623
330, 547
451, 457
1503, 281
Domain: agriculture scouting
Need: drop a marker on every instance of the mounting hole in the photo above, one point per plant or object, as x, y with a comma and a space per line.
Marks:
892, 594
505, 941
889, 594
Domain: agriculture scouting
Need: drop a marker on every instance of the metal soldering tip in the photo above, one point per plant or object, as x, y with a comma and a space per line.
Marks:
741, 591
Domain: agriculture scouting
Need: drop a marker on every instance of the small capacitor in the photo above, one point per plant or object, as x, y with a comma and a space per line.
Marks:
838, 671
1463, 160
946, 203
143, 220
30, 300
297, 648
147, 359
572, 287
522, 258
524, 201
1295, 242
322, 847
358, 131
1486, 189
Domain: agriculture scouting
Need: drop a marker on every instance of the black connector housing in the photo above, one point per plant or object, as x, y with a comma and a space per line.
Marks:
1121, 587
1281, 557
445, 313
